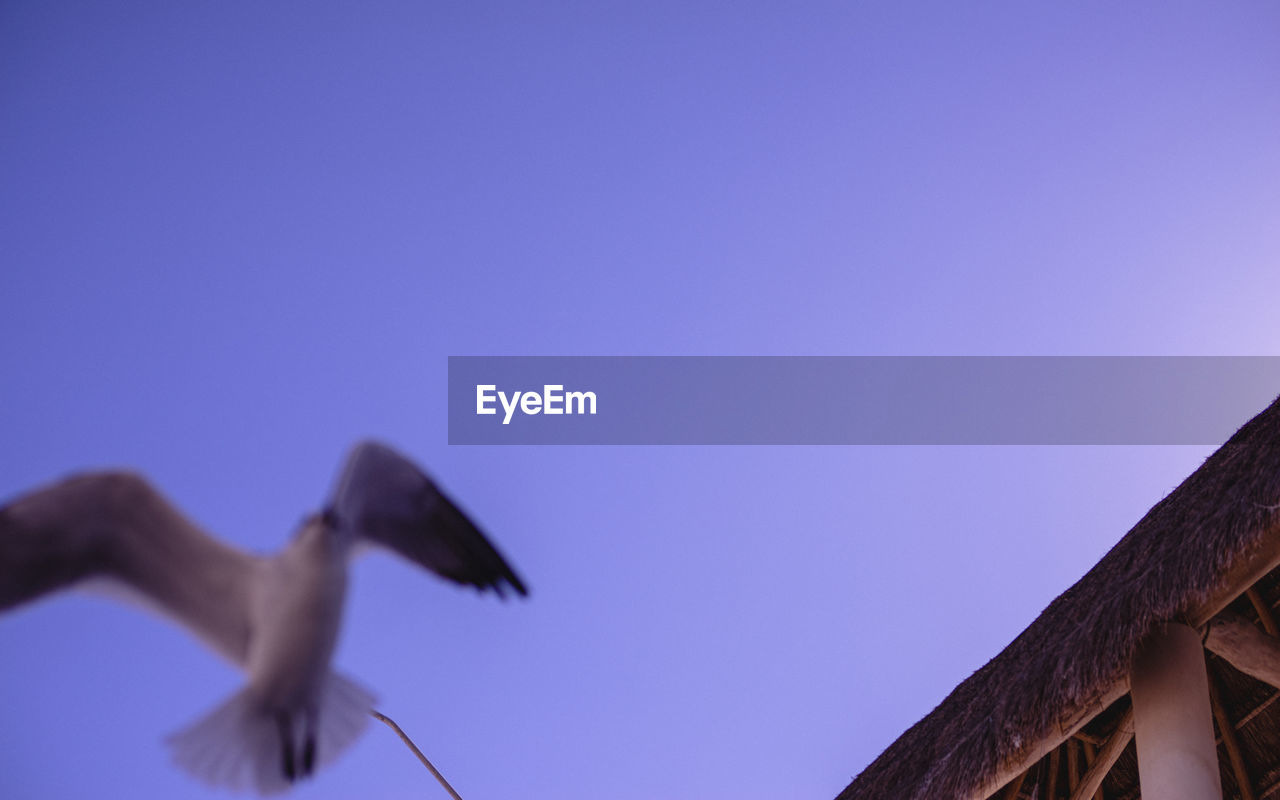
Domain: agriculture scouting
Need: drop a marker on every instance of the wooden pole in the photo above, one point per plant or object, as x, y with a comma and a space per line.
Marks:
1014, 789
1230, 741
1177, 756
1091, 755
1073, 764
1051, 782
1091, 784
1264, 611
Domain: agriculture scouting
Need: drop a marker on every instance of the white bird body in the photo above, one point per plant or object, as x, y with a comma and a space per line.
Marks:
305, 581
277, 617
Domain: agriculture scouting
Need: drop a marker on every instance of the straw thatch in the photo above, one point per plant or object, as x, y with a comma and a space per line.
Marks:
1074, 659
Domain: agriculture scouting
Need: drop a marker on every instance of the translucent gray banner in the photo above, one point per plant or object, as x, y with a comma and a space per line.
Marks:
855, 400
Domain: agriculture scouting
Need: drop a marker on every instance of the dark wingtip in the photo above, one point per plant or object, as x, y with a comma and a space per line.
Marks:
511, 580
499, 585
517, 584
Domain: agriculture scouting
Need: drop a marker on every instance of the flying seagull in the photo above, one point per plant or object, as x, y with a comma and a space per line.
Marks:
275, 617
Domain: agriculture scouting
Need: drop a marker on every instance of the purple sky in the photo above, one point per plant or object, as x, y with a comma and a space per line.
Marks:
237, 237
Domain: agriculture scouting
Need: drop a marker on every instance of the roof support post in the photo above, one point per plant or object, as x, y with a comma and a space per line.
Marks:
1177, 756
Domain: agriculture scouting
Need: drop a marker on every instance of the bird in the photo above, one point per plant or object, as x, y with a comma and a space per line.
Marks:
275, 617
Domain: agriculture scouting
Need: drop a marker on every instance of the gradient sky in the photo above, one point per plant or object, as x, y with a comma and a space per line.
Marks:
237, 237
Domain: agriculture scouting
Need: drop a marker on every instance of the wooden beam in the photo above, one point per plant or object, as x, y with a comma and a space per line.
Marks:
1116, 743
1051, 781
1264, 611
1014, 789
1230, 741
1258, 709
1270, 790
1073, 764
1091, 755
1245, 647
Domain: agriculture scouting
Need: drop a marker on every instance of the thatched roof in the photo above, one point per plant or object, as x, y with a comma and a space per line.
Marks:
1198, 549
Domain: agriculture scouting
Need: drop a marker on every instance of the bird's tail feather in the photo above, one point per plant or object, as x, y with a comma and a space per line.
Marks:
242, 746
344, 714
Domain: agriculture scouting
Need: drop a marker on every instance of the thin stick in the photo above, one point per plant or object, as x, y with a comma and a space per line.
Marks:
409, 743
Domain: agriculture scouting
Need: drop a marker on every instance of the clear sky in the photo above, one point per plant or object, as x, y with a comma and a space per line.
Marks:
236, 237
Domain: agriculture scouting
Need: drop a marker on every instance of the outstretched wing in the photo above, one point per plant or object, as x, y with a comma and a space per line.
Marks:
114, 525
383, 497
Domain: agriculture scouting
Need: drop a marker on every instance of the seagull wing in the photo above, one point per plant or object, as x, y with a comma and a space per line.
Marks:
114, 525
384, 498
